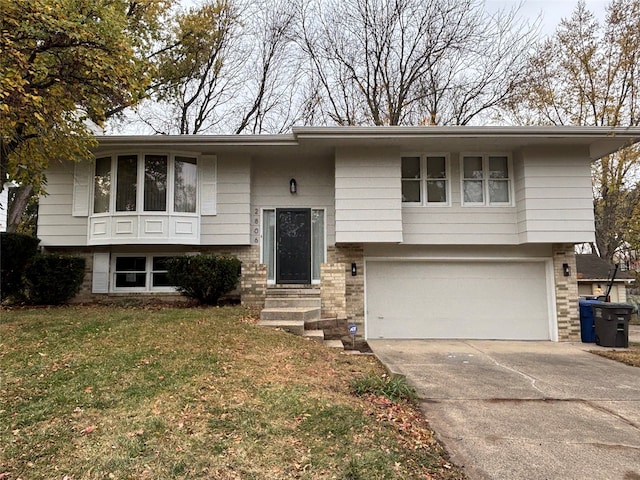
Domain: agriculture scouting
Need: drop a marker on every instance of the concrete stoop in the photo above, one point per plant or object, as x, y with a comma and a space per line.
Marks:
297, 311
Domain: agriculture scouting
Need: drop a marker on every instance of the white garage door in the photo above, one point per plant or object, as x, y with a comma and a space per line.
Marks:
475, 300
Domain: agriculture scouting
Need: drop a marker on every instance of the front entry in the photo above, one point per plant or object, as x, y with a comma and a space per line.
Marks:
293, 245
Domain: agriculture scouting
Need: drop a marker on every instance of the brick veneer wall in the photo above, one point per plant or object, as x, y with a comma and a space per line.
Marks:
248, 255
253, 285
333, 290
566, 292
346, 254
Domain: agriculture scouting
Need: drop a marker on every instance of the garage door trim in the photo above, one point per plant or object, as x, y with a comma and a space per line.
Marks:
549, 280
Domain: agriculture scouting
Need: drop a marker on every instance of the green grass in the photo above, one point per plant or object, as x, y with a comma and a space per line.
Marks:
160, 393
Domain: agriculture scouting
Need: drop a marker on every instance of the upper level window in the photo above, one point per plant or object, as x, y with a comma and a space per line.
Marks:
425, 180
158, 177
486, 180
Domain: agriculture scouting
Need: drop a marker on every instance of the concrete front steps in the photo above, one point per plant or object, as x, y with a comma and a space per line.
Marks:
296, 310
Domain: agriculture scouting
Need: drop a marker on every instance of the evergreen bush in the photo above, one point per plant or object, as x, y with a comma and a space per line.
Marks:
204, 278
54, 279
16, 251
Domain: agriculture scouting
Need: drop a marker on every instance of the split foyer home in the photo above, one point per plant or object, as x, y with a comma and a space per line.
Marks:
407, 232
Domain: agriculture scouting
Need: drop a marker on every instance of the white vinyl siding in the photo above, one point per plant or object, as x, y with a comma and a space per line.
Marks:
225, 207
81, 188
554, 196
208, 184
57, 226
270, 189
454, 224
368, 188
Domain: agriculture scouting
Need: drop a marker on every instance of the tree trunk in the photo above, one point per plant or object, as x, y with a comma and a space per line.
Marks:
17, 207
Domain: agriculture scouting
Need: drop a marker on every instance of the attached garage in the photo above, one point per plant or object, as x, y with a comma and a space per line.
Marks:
501, 300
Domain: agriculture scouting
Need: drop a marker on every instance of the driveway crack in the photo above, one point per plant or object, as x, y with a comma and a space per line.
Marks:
532, 380
613, 414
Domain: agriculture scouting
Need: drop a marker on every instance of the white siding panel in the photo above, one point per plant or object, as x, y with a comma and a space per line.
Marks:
315, 181
459, 225
207, 170
368, 181
81, 188
231, 223
555, 196
56, 224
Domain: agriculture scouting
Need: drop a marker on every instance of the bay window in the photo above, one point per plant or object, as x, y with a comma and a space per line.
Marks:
102, 185
158, 177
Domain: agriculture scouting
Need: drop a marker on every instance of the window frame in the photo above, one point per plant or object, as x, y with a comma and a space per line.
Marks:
148, 288
271, 280
424, 180
140, 183
486, 199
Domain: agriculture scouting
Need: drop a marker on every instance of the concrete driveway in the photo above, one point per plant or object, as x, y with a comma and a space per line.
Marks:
525, 410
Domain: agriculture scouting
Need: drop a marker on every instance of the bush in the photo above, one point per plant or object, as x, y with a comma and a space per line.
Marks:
394, 387
16, 251
204, 277
54, 279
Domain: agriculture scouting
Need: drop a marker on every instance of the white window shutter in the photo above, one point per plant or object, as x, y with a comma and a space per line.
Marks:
100, 280
82, 175
208, 166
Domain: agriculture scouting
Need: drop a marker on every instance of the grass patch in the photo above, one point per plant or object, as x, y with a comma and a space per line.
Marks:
160, 393
394, 387
630, 356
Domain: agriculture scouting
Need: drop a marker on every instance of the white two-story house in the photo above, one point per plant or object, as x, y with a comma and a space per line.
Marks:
409, 232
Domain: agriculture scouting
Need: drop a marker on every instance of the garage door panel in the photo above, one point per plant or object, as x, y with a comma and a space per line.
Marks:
498, 300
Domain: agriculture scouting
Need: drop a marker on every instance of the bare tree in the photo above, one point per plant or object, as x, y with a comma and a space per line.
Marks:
589, 74
192, 85
394, 62
267, 94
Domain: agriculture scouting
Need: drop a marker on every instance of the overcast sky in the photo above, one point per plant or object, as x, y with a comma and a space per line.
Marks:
551, 10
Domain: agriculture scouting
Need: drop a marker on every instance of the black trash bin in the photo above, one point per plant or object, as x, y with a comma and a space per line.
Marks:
612, 324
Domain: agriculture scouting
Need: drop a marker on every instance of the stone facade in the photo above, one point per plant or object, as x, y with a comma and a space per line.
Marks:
333, 290
253, 285
346, 254
566, 292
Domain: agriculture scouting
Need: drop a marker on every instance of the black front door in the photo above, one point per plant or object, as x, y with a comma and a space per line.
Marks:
293, 245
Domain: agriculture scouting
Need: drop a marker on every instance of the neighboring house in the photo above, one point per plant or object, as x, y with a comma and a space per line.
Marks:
410, 232
594, 274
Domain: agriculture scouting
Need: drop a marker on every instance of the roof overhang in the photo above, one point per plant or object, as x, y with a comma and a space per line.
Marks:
599, 141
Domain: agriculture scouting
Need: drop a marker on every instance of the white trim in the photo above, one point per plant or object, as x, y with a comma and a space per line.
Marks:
261, 244
549, 280
486, 201
424, 202
148, 273
140, 155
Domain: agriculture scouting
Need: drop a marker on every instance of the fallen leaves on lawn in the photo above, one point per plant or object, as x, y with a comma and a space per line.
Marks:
408, 420
88, 430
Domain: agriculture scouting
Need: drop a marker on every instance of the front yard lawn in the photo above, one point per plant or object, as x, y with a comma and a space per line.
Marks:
102, 392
